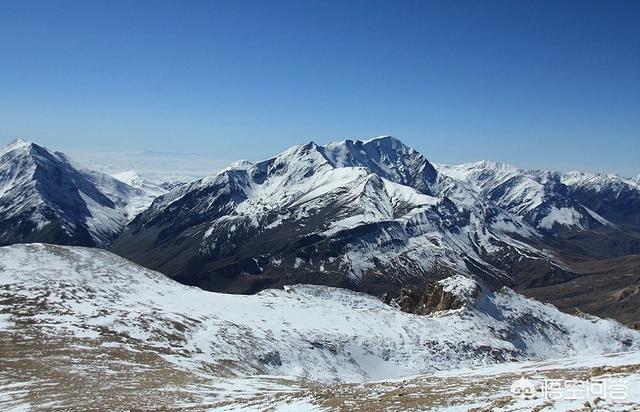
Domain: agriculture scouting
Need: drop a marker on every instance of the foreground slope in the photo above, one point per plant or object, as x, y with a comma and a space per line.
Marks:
582, 383
44, 197
159, 341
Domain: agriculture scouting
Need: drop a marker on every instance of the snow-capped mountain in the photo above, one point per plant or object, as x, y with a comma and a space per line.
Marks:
537, 197
44, 197
612, 197
594, 215
369, 215
551, 200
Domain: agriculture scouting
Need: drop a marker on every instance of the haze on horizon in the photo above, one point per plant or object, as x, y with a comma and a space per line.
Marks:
543, 85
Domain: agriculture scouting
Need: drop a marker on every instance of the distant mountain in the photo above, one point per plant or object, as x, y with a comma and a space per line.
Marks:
614, 198
595, 215
588, 221
554, 200
44, 197
149, 191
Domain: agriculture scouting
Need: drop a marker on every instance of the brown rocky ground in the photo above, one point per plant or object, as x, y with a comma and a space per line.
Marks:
607, 288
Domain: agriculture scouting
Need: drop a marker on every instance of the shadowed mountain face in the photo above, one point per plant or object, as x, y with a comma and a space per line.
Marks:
45, 198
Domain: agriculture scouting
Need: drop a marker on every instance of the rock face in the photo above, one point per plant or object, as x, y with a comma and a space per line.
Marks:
447, 294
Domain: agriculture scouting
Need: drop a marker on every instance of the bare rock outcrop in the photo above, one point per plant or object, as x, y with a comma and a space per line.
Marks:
447, 294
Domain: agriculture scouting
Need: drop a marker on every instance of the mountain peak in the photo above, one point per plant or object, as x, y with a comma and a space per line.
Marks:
55, 201
384, 139
16, 144
130, 177
19, 142
241, 164
489, 164
40, 155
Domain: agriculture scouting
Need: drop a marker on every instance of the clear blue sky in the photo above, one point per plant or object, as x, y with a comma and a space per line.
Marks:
535, 83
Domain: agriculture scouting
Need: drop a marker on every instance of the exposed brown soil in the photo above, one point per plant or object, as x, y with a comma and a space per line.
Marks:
606, 288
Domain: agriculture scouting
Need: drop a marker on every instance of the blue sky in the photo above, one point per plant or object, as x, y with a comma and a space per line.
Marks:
547, 84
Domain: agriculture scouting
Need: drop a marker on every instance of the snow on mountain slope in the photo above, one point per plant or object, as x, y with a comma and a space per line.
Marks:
581, 383
84, 329
615, 199
544, 199
372, 215
387, 157
525, 192
91, 298
597, 181
149, 191
45, 197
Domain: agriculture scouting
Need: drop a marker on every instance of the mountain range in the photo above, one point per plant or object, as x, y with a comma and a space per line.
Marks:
373, 216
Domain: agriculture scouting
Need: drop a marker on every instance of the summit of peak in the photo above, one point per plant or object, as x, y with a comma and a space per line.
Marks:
22, 147
386, 156
489, 164
130, 177
383, 139
240, 164
17, 144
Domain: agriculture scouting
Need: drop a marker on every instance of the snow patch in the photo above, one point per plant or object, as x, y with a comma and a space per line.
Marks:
564, 216
460, 286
